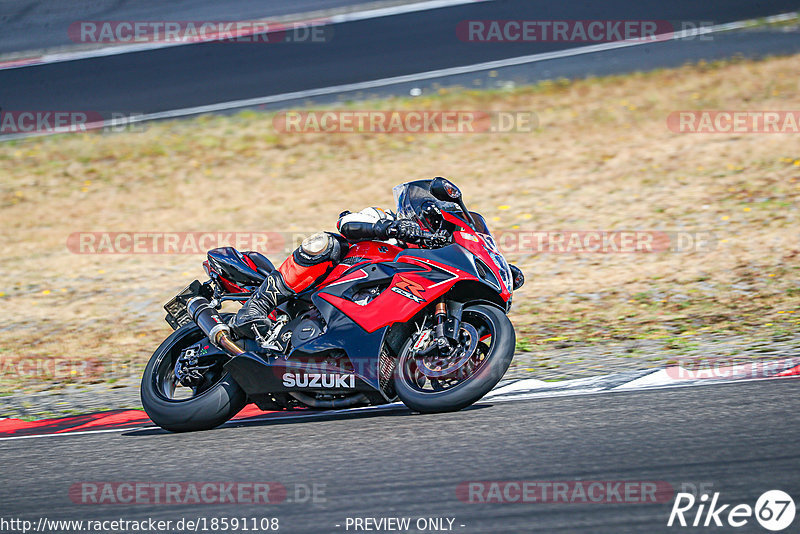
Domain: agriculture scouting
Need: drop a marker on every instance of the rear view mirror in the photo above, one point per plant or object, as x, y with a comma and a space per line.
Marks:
445, 190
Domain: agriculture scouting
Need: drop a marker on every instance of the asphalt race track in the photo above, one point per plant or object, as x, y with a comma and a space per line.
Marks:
34, 24
186, 76
737, 439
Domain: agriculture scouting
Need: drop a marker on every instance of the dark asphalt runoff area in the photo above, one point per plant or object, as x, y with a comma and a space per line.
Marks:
738, 439
186, 76
42, 24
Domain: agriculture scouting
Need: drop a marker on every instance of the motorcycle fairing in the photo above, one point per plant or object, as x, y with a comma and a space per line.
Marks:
361, 254
359, 330
411, 284
341, 331
259, 375
235, 267
427, 274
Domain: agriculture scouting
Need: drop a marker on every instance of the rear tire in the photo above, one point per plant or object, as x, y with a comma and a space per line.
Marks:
207, 410
486, 376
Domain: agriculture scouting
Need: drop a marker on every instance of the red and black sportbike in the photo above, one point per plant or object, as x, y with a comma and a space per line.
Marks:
424, 324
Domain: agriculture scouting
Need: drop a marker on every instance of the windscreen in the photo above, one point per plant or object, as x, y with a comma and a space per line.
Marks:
411, 198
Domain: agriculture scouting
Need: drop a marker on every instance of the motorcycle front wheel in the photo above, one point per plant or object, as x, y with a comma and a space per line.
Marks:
426, 384
205, 404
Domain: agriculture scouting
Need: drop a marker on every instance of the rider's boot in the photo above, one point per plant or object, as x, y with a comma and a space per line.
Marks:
253, 314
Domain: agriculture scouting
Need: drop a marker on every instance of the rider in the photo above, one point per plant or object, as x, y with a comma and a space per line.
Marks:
314, 259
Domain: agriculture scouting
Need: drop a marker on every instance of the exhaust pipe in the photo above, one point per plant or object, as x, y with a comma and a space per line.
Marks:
210, 322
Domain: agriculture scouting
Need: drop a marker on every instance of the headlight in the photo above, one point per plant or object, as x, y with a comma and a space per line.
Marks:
500, 261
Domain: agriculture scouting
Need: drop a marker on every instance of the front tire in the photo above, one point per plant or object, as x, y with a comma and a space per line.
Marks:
209, 407
452, 394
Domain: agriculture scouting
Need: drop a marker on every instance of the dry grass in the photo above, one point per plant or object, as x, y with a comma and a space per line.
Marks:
602, 158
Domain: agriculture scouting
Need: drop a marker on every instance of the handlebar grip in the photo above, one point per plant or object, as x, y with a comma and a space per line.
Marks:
431, 240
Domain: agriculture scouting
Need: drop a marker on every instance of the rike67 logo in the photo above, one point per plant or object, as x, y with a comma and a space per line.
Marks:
774, 510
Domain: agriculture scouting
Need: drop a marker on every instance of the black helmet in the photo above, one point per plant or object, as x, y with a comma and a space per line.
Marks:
432, 216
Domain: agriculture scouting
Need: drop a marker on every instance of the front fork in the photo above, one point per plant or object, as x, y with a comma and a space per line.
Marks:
446, 325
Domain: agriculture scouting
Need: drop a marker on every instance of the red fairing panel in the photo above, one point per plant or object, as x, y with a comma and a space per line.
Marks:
298, 277
480, 251
468, 239
363, 252
396, 306
230, 287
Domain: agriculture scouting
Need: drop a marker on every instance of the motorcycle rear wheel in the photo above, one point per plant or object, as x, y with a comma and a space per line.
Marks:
211, 403
469, 384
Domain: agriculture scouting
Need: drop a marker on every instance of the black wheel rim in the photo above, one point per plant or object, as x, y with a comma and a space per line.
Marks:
410, 374
165, 383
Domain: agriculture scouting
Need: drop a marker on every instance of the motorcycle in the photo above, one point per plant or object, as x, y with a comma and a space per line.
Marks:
426, 324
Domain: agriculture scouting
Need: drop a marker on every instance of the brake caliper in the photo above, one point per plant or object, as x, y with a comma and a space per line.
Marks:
188, 370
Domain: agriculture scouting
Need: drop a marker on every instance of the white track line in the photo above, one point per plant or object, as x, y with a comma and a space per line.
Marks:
619, 389
59, 57
399, 10
384, 82
76, 433
492, 397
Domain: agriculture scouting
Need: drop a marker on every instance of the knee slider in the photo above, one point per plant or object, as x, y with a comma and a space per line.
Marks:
320, 248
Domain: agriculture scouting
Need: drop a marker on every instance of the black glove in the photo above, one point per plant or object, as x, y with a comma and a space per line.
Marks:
436, 240
405, 231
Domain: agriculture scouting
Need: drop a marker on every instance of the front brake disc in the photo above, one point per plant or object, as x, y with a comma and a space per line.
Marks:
437, 365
